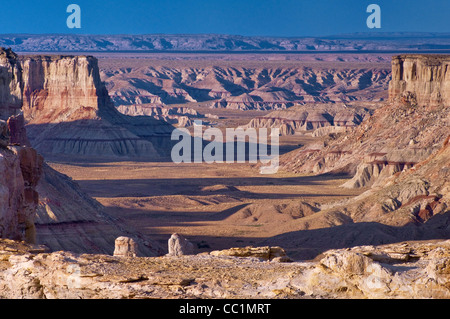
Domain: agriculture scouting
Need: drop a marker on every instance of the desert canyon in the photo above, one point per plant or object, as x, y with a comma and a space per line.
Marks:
91, 205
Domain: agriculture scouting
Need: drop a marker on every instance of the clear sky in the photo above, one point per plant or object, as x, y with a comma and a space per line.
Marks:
238, 17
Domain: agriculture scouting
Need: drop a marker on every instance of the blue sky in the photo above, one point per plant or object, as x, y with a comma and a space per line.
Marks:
241, 17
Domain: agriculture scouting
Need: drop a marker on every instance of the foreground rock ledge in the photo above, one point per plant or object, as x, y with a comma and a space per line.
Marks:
406, 270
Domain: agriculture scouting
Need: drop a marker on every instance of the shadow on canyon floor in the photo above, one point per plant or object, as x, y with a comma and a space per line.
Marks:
211, 229
309, 244
196, 186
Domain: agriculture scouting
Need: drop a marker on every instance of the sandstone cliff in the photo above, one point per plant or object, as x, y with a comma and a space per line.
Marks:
10, 84
61, 88
426, 77
38, 204
400, 154
410, 205
398, 135
20, 165
178, 116
403, 270
20, 172
69, 112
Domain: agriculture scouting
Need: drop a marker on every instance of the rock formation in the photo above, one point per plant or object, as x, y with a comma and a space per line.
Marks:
20, 169
179, 246
427, 77
402, 270
263, 253
125, 247
178, 116
20, 172
417, 195
68, 219
61, 88
69, 112
11, 86
398, 135
400, 155
38, 204
17, 131
336, 117
242, 85
20, 165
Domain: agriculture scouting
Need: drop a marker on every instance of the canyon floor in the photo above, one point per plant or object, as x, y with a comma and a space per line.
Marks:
384, 235
218, 206
204, 202
207, 202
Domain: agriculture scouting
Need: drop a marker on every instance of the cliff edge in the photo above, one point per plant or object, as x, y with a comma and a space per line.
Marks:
424, 79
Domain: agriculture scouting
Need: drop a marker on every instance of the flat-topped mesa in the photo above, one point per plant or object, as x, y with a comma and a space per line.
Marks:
68, 112
427, 77
61, 88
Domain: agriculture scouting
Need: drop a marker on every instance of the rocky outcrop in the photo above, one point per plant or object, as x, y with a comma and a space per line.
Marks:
377, 167
242, 85
11, 86
263, 253
323, 118
38, 204
20, 165
17, 131
402, 270
69, 113
411, 204
20, 171
125, 247
61, 88
426, 77
394, 138
179, 245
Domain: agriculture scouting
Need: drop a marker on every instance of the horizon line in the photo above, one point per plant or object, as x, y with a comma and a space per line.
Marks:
343, 35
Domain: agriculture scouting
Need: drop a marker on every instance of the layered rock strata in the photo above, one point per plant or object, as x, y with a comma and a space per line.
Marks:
242, 85
401, 133
179, 116
11, 85
403, 270
20, 172
311, 117
427, 77
38, 204
69, 112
